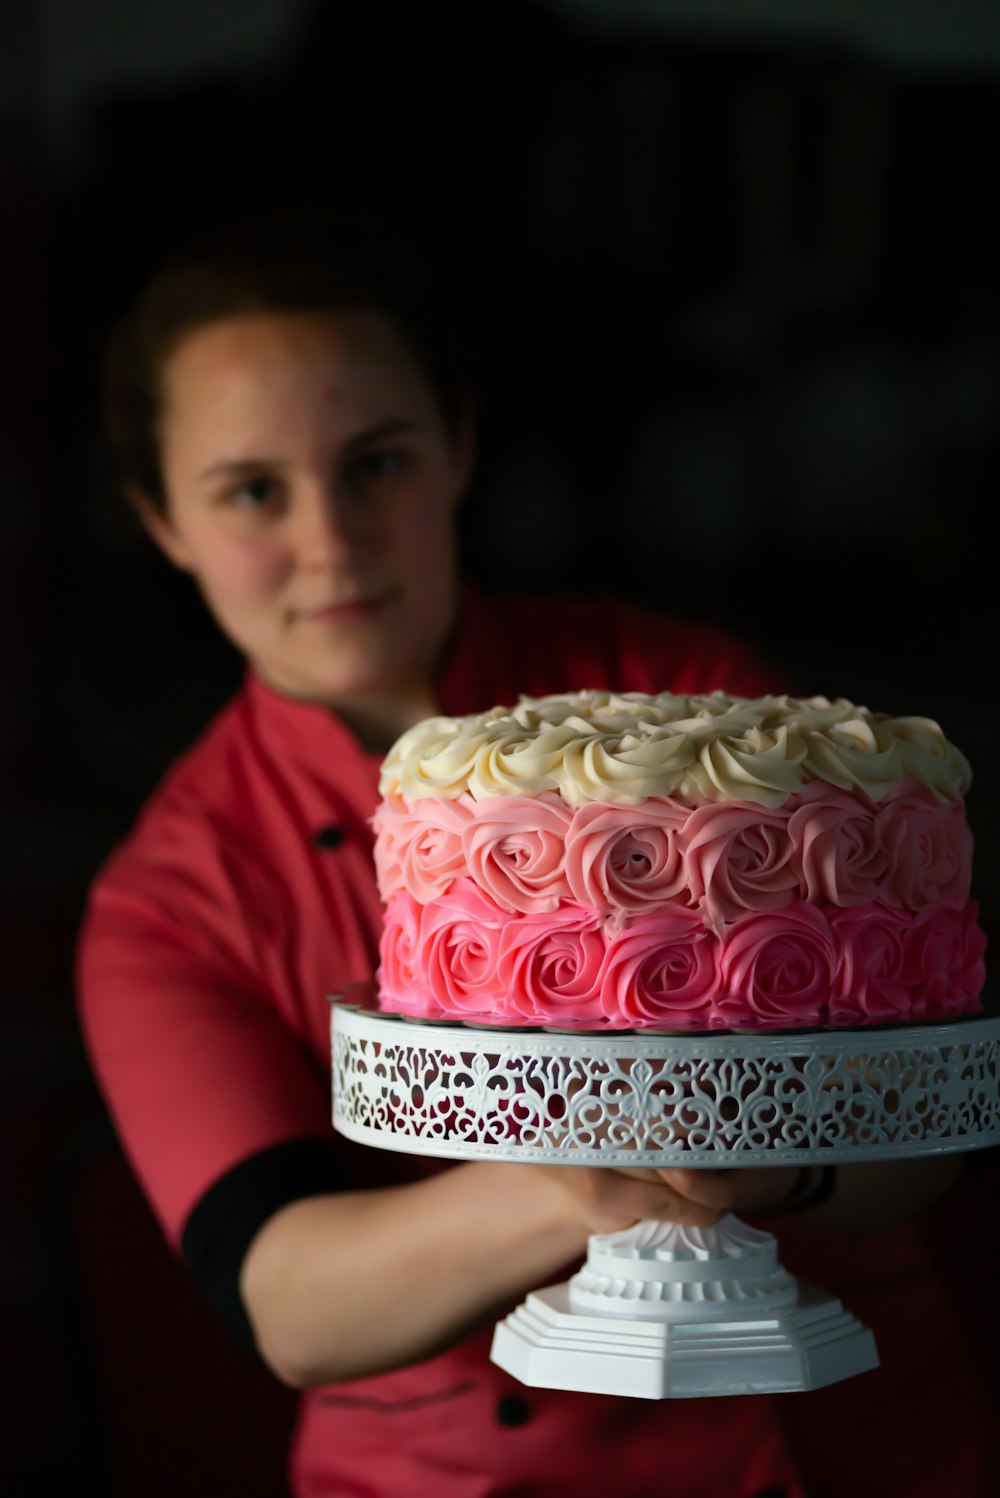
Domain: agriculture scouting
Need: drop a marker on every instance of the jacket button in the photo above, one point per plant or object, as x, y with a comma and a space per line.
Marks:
329, 837
513, 1411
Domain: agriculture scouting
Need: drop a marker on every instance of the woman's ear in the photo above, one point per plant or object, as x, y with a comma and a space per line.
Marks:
157, 525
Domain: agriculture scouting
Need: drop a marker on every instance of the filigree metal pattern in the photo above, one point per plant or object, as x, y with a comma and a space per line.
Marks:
629, 1099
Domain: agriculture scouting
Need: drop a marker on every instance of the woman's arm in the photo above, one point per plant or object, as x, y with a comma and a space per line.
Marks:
342, 1286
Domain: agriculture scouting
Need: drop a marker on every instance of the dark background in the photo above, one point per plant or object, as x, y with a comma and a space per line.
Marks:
734, 289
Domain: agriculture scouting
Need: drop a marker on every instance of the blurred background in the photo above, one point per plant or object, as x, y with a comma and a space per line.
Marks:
731, 270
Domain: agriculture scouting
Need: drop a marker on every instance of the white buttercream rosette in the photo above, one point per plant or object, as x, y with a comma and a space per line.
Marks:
599, 746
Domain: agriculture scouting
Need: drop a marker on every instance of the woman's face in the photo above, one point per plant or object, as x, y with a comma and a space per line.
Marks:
311, 487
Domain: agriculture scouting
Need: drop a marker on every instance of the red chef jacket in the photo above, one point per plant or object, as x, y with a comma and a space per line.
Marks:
244, 896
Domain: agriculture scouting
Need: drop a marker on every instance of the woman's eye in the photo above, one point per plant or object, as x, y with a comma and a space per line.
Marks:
380, 463
256, 493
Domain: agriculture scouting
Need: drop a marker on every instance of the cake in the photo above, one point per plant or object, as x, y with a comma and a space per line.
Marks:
628, 861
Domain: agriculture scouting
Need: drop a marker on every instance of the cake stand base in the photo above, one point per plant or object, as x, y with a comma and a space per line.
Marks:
545, 1343
666, 1311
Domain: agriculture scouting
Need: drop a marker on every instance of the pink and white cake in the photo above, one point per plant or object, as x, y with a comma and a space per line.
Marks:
596, 861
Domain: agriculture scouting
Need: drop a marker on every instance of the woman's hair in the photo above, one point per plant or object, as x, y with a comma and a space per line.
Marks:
310, 261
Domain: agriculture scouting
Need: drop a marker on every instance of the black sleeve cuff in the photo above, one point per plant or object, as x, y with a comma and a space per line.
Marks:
225, 1221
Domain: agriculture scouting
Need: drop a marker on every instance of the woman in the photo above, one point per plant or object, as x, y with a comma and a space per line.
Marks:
295, 428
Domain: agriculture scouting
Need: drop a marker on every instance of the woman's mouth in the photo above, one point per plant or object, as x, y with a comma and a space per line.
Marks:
349, 610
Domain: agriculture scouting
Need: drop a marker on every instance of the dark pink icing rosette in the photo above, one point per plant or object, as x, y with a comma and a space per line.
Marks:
803, 965
829, 909
663, 970
837, 854
928, 850
401, 975
824, 845
459, 950
626, 859
737, 859
420, 846
778, 968
945, 951
517, 859
549, 966
873, 984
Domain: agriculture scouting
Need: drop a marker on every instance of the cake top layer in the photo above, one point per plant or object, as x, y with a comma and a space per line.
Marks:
625, 748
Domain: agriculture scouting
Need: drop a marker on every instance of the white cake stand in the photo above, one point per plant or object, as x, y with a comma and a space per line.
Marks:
662, 1310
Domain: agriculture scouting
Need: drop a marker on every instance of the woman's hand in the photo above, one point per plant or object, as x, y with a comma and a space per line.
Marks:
605, 1201
763, 1189
868, 1197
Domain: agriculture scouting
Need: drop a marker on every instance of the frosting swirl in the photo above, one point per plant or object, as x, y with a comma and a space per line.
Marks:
626, 748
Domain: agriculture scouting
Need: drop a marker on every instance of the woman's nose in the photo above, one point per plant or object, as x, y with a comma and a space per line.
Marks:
331, 525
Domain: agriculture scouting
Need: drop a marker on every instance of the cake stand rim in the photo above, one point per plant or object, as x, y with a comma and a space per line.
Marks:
813, 1039
829, 1146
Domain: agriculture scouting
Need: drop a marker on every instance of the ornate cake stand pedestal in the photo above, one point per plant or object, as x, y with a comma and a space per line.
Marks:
660, 1310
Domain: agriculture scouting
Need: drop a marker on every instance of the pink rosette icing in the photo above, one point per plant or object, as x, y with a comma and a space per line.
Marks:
737, 858
419, 847
550, 966
662, 970
944, 960
626, 858
928, 850
459, 950
778, 968
513, 847
837, 852
400, 974
873, 982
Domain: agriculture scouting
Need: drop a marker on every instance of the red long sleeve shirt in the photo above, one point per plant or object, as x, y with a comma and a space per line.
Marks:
244, 896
